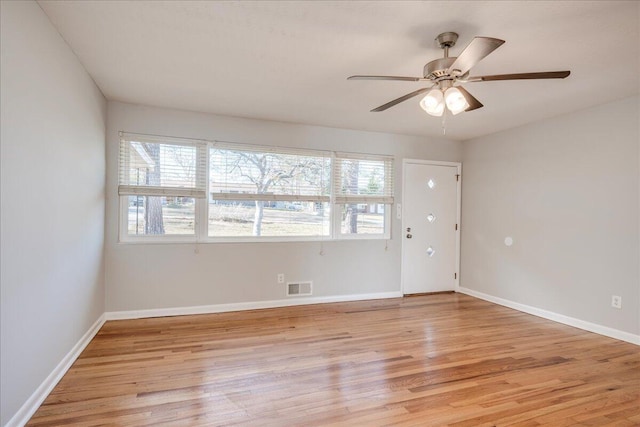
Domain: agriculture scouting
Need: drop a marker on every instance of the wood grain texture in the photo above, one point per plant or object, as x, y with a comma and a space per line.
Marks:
435, 360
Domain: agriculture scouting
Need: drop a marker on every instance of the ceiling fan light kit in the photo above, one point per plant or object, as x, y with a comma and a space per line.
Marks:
433, 103
455, 101
445, 72
436, 100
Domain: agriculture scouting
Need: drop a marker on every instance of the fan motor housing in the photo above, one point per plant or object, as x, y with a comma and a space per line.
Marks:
437, 69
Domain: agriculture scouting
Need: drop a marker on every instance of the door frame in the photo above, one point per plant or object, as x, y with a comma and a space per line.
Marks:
458, 166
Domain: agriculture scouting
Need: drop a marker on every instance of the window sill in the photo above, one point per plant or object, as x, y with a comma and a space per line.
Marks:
192, 240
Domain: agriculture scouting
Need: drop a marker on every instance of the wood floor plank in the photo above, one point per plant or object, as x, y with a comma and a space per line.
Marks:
433, 360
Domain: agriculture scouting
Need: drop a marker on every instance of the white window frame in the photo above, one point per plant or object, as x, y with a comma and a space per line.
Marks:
337, 227
125, 189
201, 208
339, 199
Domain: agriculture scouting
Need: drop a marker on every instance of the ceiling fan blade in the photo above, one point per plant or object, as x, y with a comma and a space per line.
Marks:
474, 104
406, 79
473, 53
402, 99
520, 76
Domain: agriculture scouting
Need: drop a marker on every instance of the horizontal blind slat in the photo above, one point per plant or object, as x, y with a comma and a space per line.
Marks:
363, 156
369, 200
269, 197
154, 165
132, 190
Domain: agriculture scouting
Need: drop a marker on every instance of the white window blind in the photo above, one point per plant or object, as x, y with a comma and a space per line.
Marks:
162, 166
268, 173
360, 178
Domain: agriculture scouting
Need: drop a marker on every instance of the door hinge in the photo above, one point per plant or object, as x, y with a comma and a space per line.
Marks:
456, 227
457, 177
455, 275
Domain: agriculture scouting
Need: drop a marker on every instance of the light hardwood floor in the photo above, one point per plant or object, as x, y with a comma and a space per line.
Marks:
422, 361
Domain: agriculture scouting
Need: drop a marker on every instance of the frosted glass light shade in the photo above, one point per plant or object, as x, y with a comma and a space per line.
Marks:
433, 103
456, 102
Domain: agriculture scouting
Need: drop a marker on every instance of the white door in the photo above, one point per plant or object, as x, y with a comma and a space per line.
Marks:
430, 226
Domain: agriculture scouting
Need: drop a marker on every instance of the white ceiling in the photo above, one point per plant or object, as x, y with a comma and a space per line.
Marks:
288, 61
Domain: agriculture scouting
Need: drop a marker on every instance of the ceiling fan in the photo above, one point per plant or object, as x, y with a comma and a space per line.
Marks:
446, 72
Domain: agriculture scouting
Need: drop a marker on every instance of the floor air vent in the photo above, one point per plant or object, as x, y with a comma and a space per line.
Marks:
298, 288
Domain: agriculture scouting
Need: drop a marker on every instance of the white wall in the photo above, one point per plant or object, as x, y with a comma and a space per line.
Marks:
566, 190
173, 275
52, 214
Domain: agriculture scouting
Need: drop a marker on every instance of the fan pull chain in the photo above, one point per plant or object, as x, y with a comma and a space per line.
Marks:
444, 122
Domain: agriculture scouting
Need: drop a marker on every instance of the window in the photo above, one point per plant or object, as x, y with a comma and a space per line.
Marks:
160, 181
175, 189
363, 185
259, 193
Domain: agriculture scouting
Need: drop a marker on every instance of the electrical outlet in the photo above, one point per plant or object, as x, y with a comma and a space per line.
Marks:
616, 301
280, 277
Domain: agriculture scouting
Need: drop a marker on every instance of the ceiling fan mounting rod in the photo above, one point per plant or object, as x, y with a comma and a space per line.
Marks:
447, 40
436, 70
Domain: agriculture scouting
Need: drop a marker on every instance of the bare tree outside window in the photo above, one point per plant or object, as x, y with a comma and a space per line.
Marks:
184, 159
375, 184
153, 221
350, 177
360, 179
266, 173
162, 165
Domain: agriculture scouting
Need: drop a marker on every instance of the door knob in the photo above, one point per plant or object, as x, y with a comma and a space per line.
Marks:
409, 236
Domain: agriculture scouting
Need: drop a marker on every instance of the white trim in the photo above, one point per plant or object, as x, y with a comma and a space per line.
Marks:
243, 146
240, 306
385, 235
456, 284
556, 317
174, 140
191, 239
32, 404
430, 162
363, 156
458, 166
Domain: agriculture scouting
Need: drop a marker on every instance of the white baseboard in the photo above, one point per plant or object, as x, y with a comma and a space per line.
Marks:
560, 318
239, 306
35, 400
